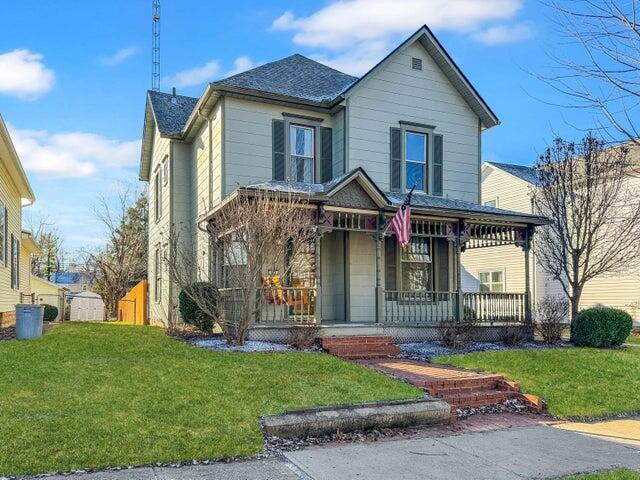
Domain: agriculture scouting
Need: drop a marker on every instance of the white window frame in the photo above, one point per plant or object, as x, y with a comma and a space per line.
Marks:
157, 272
157, 194
425, 165
402, 262
312, 159
15, 263
165, 170
491, 199
490, 272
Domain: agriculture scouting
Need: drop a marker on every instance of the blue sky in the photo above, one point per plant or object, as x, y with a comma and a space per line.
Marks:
73, 75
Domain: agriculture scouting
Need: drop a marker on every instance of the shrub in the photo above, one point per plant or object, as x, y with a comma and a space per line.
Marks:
551, 314
456, 334
601, 327
50, 312
513, 337
302, 337
191, 312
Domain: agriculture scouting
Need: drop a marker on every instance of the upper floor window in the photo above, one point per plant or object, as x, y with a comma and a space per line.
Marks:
491, 281
302, 150
415, 156
492, 202
157, 201
165, 170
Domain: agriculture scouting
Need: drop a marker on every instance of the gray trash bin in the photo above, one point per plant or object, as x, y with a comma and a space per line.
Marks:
29, 321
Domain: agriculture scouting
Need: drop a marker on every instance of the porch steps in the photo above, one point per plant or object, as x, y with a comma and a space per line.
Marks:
459, 388
360, 347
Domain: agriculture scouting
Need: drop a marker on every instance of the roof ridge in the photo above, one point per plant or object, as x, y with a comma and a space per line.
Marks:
157, 92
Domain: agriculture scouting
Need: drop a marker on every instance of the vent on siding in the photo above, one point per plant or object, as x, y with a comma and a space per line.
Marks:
416, 63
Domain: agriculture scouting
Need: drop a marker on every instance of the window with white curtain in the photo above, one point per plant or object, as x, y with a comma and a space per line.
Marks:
302, 153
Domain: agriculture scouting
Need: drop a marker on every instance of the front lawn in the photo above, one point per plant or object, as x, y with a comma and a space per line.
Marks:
576, 382
616, 475
635, 339
99, 395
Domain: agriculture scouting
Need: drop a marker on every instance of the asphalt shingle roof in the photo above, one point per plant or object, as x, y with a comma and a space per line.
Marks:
295, 76
528, 174
171, 112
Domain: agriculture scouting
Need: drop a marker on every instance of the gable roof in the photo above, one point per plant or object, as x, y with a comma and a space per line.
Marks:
528, 174
171, 111
295, 76
11, 161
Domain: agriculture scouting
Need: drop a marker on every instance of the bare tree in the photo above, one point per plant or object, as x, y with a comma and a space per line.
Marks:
603, 74
51, 256
123, 260
594, 212
256, 243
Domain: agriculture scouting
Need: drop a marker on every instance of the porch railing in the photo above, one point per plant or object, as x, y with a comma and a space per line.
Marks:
494, 307
272, 304
419, 307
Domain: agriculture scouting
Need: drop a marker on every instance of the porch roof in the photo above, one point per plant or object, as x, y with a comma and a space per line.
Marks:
391, 201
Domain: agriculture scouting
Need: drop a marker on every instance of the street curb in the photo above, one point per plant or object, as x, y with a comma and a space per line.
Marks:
361, 416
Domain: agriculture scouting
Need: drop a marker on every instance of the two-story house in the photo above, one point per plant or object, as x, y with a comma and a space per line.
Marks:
354, 146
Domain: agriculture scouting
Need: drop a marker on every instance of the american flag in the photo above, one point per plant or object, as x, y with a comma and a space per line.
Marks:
401, 223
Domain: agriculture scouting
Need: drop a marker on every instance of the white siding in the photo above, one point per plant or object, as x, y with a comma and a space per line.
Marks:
397, 93
10, 197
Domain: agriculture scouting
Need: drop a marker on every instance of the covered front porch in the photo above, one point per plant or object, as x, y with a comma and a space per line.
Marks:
356, 280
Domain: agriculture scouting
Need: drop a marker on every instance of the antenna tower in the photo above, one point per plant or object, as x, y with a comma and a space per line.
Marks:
155, 48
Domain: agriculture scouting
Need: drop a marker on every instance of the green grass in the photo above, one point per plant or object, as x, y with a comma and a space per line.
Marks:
576, 382
633, 339
615, 475
99, 395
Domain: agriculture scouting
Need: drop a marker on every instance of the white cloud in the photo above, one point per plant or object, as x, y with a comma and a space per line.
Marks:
119, 56
342, 23
359, 59
24, 75
501, 34
194, 76
241, 64
72, 154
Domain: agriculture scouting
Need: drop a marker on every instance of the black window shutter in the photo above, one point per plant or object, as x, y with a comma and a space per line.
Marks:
390, 263
326, 154
277, 138
396, 159
441, 247
437, 165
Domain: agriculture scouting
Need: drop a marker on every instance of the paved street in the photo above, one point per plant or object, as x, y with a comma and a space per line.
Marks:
531, 451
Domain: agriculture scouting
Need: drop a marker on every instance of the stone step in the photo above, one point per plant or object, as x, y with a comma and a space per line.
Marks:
364, 351
478, 398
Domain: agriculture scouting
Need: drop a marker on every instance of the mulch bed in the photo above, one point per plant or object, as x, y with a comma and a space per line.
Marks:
8, 333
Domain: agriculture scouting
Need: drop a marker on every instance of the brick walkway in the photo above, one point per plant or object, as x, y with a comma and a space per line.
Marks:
459, 388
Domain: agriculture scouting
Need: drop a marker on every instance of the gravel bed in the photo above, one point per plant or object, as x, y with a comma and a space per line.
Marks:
425, 351
512, 405
221, 345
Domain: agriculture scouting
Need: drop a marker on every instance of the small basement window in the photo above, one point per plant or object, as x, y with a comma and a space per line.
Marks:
416, 63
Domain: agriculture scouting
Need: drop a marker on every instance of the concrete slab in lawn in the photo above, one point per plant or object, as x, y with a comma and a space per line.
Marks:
528, 452
625, 431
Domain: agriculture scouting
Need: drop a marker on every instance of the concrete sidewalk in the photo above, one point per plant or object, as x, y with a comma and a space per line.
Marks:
538, 451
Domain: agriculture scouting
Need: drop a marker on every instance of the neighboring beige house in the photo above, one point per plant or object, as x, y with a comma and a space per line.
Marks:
354, 146
511, 186
50, 293
28, 248
15, 193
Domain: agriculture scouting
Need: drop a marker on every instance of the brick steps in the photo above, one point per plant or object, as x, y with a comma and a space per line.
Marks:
360, 347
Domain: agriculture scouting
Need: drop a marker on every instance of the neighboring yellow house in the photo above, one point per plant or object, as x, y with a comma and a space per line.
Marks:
510, 187
15, 193
50, 293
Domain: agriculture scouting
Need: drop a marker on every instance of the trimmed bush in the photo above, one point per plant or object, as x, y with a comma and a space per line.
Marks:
50, 312
601, 327
190, 311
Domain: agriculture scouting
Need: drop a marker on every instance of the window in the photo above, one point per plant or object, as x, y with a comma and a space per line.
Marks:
165, 170
415, 155
302, 150
157, 270
157, 203
416, 272
234, 262
3, 234
493, 202
15, 262
491, 281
